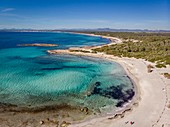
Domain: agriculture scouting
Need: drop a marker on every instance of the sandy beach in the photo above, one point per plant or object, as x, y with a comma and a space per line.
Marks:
151, 108
85, 63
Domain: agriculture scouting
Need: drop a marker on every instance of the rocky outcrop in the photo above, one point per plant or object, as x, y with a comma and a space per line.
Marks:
39, 45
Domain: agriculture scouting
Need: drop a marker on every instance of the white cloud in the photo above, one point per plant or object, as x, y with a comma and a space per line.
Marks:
7, 9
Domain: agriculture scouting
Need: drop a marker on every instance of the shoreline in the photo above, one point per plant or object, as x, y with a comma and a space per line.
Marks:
148, 107
132, 69
127, 107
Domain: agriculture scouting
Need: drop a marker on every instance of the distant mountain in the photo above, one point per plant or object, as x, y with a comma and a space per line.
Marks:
119, 30
23, 30
81, 30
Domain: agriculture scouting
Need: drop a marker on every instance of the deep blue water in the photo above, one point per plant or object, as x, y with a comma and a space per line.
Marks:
30, 76
64, 40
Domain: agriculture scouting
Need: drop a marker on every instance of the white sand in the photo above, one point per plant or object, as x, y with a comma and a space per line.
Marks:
153, 99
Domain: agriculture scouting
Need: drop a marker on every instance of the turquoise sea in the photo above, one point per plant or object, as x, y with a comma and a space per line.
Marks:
29, 77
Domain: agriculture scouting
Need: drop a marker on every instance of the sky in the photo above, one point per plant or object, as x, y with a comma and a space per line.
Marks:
60, 14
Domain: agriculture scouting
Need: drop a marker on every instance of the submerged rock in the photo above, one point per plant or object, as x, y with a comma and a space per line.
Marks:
85, 110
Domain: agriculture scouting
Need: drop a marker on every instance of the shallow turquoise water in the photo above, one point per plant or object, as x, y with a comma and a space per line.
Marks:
31, 77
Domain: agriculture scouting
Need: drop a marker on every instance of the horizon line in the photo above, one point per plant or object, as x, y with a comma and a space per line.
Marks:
86, 29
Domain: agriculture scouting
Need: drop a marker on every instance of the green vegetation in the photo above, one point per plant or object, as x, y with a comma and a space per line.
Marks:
154, 47
159, 65
79, 51
134, 35
167, 75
